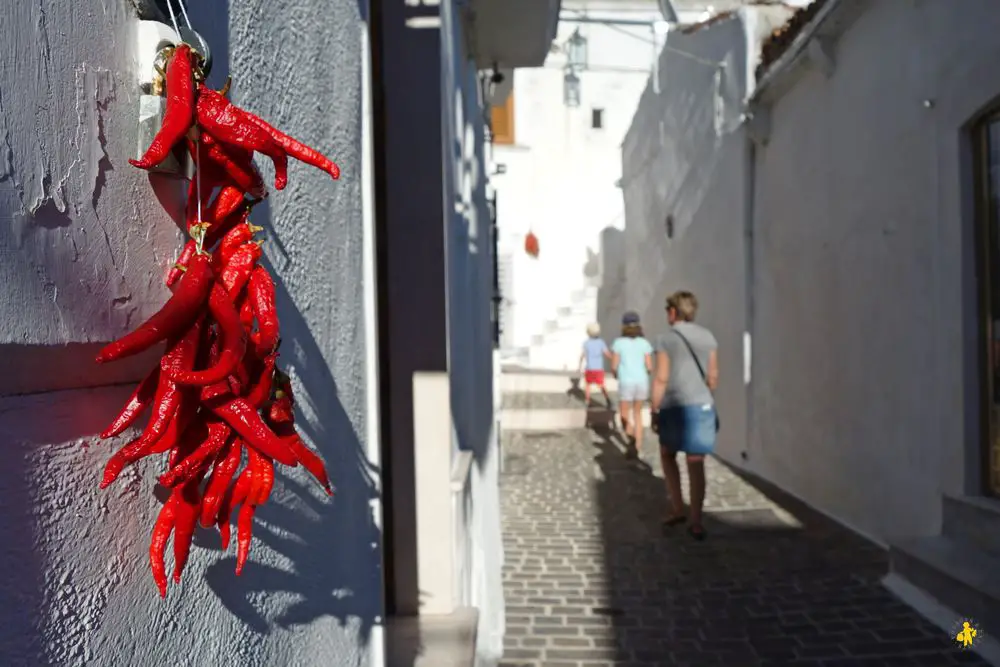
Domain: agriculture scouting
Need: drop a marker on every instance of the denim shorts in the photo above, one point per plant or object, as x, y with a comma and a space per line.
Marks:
633, 391
687, 428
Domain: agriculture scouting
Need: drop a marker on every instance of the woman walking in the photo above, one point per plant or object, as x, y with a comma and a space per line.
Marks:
592, 362
632, 364
687, 373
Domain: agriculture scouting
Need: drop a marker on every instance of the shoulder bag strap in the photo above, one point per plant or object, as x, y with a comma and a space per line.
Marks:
693, 356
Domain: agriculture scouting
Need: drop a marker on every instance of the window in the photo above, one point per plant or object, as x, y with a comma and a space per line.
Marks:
502, 122
987, 136
597, 118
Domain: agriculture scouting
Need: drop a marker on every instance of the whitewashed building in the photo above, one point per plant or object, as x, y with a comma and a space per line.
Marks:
560, 166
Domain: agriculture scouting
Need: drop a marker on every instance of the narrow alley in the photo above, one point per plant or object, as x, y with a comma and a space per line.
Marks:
590, 579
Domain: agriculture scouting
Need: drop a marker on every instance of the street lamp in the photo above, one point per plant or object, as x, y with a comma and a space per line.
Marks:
571, 89
576, 51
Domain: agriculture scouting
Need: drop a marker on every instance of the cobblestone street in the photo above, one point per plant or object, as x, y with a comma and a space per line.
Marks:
591, 579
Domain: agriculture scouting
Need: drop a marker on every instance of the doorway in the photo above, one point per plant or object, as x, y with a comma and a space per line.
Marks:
987, 144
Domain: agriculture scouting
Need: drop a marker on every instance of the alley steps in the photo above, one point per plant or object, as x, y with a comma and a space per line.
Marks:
973, 520
961, 567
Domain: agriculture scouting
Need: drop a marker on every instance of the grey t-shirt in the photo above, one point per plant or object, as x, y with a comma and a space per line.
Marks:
686, 386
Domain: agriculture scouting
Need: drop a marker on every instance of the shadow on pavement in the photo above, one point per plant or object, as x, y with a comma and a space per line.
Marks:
766, 588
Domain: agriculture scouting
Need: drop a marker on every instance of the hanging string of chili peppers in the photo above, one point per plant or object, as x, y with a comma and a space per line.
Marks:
217, 397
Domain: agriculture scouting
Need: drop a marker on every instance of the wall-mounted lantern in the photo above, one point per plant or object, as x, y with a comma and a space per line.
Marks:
576, 51
571, 89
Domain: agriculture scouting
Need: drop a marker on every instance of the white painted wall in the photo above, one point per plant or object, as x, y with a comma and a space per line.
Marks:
84, 244
863, 395
561, 173
470, 361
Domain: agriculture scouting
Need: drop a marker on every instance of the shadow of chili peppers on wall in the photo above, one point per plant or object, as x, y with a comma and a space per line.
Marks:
330, 545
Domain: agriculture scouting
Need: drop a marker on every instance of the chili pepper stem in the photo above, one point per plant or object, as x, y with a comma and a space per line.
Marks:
197, 232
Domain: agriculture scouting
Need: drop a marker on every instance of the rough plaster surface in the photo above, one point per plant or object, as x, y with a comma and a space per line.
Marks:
84, 242
864, 213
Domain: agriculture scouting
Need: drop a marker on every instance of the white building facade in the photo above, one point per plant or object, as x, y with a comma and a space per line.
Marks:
561, 165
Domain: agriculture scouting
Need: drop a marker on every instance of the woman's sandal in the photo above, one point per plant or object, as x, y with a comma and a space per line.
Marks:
672, 521
697, 532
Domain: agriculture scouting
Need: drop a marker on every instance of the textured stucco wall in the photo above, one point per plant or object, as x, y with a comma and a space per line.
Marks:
85, 242
684, 157
470, 342
865, 331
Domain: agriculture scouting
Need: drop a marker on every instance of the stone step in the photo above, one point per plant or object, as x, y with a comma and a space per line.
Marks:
972, 519
957, 574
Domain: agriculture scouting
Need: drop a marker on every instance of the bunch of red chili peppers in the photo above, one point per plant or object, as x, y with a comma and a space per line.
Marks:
217, 396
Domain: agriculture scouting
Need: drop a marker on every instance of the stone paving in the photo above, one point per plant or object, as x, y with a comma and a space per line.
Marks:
592, 580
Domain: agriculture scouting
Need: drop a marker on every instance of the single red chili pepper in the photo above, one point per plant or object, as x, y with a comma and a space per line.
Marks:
165, 406
185, 521
239, 380
227, 123
297, 149
179, 115
233, 161
282, 421
260, 393
182, 421
235, 495
176, 315
263, 478
216, 232
243, 417
234, 344
136, 405
246, 317
158, 544
262, 302
231, 242
244, 535
236, 273
226, 202
226, 463
216, 435
180, 266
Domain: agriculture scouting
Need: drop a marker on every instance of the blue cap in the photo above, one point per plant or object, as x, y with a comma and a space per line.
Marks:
630, 317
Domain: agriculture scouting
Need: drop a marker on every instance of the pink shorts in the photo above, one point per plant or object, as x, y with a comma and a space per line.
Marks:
594, 377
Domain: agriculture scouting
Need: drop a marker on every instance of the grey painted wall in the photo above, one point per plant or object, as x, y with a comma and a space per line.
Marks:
865, 333
684, 157
85, 243
863, 393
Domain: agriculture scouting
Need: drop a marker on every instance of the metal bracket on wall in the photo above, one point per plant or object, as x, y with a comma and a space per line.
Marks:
153, 38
